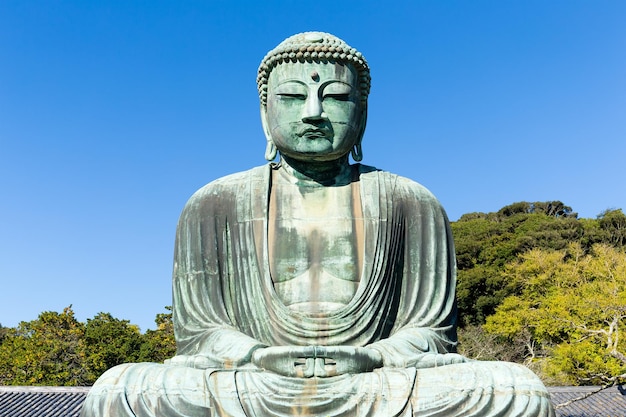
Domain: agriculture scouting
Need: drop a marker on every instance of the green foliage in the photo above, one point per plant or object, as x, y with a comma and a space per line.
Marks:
570, 305
478, 344
486, 242
4, 331
45, 351
582, 363
159, 345
109, 342
549, 208
613, 225
550, 288
56, 349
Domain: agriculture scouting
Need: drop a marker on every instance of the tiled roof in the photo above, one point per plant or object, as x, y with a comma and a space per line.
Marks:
610, 402
41, 401
67, 401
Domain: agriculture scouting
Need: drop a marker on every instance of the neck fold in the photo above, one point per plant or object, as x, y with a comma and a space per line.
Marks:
327, 173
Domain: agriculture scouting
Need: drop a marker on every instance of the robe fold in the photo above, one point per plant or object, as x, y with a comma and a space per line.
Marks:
225, 307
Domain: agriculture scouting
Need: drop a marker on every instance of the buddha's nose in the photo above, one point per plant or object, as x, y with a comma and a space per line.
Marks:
313, 108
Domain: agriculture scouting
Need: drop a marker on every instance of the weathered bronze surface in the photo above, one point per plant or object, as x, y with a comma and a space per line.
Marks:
313, 287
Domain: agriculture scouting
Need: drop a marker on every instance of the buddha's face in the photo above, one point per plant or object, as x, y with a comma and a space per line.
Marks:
314, 110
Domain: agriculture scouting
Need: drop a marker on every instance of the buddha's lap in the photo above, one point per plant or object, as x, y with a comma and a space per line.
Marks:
456, 388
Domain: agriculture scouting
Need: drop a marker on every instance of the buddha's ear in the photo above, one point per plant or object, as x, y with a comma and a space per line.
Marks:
270, 150
362, 123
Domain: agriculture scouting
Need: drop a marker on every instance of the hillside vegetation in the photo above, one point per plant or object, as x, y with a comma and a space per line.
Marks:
539, 286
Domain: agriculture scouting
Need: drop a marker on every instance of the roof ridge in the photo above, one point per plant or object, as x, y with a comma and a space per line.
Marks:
41, 389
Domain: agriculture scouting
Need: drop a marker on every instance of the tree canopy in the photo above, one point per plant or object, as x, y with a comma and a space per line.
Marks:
56, 349
486, 242
570, 310
539, 286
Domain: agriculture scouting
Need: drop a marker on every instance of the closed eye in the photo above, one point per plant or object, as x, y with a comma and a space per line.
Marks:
340, 97
292, 96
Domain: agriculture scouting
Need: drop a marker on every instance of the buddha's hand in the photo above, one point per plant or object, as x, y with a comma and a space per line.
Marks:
433, 360
317, 361
339, 360
292, 361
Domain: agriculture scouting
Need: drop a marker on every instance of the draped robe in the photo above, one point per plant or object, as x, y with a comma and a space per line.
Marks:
225, 307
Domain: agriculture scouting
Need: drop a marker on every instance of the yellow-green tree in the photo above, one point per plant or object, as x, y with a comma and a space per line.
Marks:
56, 349
159, 345
485, 242
569, 313
45, 351
108, 342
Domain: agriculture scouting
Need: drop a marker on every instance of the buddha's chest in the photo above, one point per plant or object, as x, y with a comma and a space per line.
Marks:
315, 246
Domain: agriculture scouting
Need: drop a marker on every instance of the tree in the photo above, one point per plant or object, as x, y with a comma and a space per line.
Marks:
485, 242
613, 224
478, 344
45, 351
109, 342
4, 331
549, 208
572, 307
56, 349
159, 345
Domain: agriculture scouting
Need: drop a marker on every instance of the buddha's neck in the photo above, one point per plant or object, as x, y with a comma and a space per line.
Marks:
308, 173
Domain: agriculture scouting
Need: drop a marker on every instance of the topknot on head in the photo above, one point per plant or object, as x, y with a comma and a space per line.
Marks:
313, 47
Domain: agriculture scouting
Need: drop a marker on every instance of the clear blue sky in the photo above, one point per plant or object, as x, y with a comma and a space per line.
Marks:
113, 113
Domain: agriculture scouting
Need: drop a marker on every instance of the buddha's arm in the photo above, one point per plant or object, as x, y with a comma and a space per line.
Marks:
425, 322
415, 348
208, 333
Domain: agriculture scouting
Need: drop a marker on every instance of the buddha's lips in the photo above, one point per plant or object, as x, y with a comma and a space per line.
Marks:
313, 133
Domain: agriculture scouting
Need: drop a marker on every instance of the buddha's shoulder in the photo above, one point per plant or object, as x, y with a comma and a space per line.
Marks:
232, 185
401, 187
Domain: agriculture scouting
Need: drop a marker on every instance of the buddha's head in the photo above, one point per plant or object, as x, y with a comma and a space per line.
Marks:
313, 89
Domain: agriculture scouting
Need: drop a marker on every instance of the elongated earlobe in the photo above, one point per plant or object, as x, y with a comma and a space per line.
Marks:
357, 153
270, 151
357, 150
